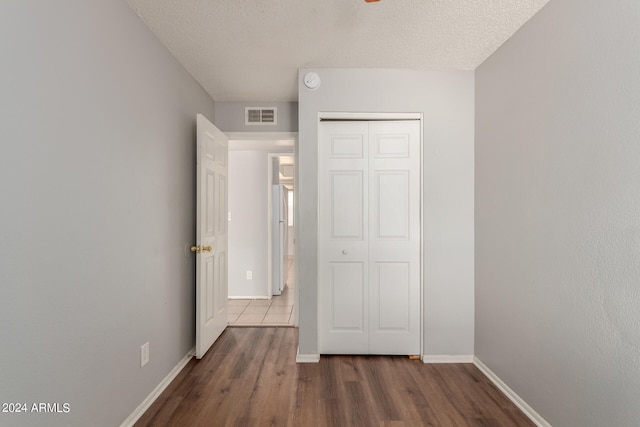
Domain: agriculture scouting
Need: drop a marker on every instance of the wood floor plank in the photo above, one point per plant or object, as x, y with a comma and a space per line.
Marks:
279, 383
250, 378
306, 406
415, 406
245, 368
438, 395
376, 400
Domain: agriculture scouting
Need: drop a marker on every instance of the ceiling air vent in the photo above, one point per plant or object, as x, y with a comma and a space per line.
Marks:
261, 116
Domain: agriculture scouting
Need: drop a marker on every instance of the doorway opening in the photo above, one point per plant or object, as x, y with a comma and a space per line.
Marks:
261, 278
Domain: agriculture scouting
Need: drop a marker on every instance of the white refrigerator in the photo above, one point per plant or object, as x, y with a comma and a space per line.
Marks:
279, 238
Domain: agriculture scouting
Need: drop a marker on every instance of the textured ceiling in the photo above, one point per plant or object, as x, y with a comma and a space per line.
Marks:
250, 50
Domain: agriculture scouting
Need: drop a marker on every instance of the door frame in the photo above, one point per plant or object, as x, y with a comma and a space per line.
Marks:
281, 143
270, 157
384, 116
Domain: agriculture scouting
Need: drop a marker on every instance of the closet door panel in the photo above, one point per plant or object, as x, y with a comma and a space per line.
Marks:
343, 269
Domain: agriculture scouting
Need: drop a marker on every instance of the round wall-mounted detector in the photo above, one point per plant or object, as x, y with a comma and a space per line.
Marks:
312, 80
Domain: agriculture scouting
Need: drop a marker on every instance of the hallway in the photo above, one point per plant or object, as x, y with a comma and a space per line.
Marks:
277, 311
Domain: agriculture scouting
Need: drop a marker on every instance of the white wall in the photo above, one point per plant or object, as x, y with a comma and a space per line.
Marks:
447, 101
290, 241
97, 188
248, 229
558, 213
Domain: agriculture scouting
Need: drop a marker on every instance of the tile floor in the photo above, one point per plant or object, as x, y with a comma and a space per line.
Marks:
278, 311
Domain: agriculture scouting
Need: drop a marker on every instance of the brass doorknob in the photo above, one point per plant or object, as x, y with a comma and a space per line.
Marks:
199, 249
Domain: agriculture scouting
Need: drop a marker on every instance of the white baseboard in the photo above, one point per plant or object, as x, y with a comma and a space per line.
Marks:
443, 358
249, 297
307, 358
517, 400
146, 403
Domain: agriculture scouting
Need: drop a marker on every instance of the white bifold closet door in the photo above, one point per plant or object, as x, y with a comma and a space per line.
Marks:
369, 237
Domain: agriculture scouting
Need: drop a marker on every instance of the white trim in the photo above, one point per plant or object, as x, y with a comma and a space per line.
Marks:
262, 141
444, 358
307, 358
517, 400
270, 157
148, 401
262, 136
249, 297
335, 115
422, 239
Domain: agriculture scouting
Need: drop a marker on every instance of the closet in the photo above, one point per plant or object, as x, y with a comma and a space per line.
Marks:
369, 237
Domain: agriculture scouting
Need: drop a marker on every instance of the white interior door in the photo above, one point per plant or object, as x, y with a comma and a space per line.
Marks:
211, 234
369, 237
343, 291
394, 237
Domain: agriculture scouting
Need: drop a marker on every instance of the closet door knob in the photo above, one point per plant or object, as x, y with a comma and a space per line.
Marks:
344, 252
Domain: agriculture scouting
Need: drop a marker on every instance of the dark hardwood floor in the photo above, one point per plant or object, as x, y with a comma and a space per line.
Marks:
250, 378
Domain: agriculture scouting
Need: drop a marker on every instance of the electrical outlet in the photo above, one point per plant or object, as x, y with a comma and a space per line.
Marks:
249, 275
144, 354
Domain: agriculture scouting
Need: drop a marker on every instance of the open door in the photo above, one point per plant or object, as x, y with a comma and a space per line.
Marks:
211, 235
